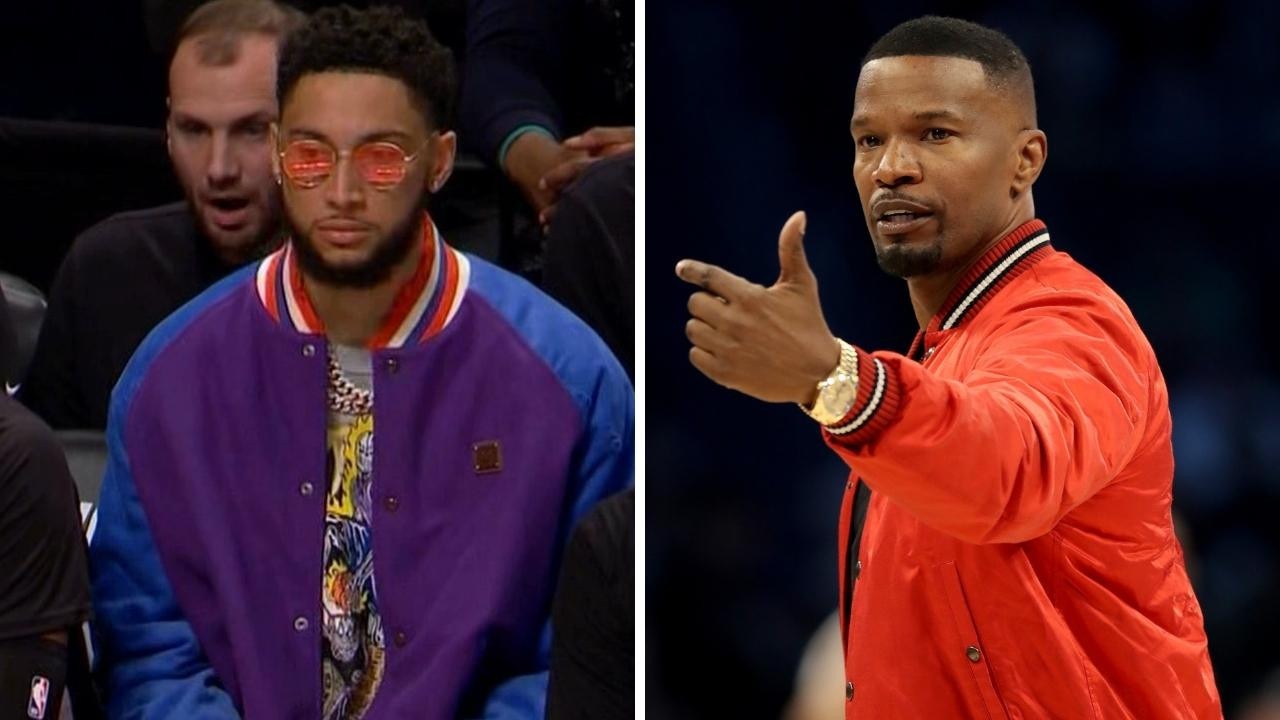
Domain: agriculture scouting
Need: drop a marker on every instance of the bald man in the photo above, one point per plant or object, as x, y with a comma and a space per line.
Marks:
127, 273
1006, 522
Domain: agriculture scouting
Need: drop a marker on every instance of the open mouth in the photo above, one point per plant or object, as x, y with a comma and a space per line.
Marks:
897, 222
229, 212
229, 204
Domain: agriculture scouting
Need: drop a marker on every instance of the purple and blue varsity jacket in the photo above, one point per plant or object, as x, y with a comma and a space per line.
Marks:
500, 419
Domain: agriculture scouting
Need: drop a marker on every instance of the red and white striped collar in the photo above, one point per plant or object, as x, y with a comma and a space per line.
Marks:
1007, 259
1016, 252
422, 307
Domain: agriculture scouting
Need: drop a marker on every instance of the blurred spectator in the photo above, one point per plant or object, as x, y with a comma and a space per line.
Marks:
130, 271
592, 675
590, 256
536, 72
819, 686
44, 576
1264, 704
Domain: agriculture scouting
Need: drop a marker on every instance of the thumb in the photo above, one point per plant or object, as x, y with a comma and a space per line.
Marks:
791, 258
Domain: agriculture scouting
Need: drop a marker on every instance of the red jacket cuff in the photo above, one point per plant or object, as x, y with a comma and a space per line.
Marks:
877, 406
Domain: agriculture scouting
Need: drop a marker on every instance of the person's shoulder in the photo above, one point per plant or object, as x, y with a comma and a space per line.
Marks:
1060, 278
174, 213
601, 549
611, 523
205, 317
1060, 288
561, 339
25, 439
136, 234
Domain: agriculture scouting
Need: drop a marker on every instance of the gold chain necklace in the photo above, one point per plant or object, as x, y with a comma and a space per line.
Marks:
344, 396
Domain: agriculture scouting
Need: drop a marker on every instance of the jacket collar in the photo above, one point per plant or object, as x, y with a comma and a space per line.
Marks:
1016, 253
422, 308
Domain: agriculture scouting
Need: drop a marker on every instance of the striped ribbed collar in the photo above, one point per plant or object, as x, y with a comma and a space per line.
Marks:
422, 307
1014, 254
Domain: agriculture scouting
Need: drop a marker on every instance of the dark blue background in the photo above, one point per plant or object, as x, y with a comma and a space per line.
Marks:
1164, 144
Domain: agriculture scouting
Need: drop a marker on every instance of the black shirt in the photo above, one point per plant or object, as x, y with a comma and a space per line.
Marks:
593, 618
118, 281
8, 342
44, 572
590, 254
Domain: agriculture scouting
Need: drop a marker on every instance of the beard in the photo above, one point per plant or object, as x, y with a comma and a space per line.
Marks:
388, 252
904, 261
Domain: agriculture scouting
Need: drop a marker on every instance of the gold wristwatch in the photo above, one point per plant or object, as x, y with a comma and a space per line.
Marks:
838, 392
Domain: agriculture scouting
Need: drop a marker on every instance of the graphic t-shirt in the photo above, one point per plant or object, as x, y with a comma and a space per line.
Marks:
352, 647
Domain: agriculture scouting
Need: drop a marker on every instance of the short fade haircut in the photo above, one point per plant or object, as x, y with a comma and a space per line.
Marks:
380, 40
1002, 61
218, 27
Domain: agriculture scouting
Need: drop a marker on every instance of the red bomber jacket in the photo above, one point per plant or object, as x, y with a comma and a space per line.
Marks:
1006, 544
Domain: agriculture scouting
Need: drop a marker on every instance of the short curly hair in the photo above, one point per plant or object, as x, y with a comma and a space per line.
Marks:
380, 40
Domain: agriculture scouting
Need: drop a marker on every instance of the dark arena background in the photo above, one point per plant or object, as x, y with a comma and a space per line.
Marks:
1163, 121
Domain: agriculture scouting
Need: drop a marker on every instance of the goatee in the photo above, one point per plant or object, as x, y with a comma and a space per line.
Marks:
904, 261
388, 253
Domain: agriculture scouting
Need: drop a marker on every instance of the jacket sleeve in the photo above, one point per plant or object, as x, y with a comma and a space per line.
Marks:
514, 60
148, 658
604, 464
519, 698
1052, 411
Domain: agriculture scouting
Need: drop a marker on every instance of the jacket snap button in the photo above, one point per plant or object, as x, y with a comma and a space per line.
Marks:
308, 350
300, 623
392, 366
400, 639
305, 488
973, 653
392, 503
848, 691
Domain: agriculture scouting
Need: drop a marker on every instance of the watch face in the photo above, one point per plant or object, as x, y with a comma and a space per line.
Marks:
838, 399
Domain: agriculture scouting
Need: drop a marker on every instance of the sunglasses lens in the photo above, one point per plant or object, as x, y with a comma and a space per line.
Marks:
307, 163
380, 164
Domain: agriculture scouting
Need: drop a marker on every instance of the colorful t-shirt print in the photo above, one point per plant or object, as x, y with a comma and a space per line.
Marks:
353, 650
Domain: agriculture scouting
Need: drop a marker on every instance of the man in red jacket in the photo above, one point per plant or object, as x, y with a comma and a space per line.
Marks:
1007, 520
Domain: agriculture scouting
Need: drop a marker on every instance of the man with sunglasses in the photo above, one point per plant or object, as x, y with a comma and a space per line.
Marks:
127, 273
340, 480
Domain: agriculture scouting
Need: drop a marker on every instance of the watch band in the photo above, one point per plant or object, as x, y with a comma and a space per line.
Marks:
838, 391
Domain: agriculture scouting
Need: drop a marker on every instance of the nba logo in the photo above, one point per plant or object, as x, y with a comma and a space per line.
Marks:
39, 698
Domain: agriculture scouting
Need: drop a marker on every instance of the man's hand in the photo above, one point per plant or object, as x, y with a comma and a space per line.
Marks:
770, 343
542, 167
532, 156
601, 142
587, 148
